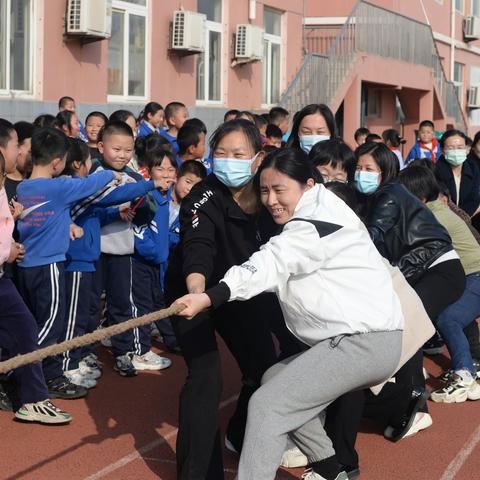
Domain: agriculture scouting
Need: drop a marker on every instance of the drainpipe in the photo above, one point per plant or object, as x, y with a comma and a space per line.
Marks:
452, 35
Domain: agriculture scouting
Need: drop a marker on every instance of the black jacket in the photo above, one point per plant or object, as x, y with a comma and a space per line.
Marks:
215, 234
469, 183
404, 230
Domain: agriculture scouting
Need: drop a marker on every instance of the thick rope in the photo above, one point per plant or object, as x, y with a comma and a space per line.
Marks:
77, 342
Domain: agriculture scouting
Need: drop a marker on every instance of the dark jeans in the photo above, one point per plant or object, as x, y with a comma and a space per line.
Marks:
19, 334
457, 316
245, 328
472, 333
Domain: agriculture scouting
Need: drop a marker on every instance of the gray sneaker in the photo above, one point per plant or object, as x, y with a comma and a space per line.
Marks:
124, 366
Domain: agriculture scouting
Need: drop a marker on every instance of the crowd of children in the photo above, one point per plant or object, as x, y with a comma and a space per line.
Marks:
111, 220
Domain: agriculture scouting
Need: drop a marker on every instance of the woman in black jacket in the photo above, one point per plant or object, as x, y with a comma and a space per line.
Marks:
458, 169
407, 234
219, 228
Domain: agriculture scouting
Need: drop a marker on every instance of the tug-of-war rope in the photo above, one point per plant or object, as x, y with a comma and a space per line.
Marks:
96, 336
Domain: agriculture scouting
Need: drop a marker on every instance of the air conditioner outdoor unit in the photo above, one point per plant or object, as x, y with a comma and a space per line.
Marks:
188, 31
474, 96
249, 43
471, 28
89, 18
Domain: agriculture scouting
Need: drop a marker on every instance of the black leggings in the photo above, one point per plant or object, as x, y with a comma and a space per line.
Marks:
245, 328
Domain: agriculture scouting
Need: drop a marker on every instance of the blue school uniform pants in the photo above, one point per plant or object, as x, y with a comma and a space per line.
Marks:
79, 288
18, 334
43, 290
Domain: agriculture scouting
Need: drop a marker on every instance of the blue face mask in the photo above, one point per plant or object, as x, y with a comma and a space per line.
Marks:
232, 172
308, 141
366, 182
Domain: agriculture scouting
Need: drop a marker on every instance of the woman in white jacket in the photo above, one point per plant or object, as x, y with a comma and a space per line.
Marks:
337, 298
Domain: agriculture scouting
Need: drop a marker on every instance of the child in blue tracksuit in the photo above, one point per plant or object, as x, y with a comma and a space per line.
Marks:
83, 254
44, 230
118, 273
189, 174
151, 119
176, 114
427, 145
152, 244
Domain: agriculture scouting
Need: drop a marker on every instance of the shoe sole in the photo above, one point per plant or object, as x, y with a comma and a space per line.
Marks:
467, 395
150, 367
122, 373
43, 420
62, 396
421, 425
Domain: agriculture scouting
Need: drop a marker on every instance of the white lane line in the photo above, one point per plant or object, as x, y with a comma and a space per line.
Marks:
457, 463
145, 449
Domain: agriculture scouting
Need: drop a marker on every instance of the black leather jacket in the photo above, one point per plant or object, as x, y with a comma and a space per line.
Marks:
404, 230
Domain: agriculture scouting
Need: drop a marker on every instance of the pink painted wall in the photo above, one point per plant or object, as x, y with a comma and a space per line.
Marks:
70, 68
172, 77
245, 81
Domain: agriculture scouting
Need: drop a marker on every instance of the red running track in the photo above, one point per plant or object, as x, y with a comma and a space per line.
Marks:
126, 429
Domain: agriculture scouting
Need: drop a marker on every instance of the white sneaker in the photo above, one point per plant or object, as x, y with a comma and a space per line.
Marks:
420, 422
76, 377
311, 475
89, 372
150, 361
293, 458
462, 387
43, 412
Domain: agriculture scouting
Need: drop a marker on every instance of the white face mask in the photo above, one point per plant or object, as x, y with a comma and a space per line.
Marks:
234, 172
308, 141
456, 157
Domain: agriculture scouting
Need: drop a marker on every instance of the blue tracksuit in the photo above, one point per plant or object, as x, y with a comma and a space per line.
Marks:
146, 129
117, 272
91, 215
44, 229
152, 244
171, 139
418, 152
44, 225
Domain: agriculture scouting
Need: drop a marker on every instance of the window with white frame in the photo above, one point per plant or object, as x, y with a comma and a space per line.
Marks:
126, 49
458, 80
475, 10
272, 46
459, 6
209, 62
16, 45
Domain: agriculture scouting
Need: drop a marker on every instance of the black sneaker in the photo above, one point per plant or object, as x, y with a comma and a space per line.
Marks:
61, 387
476, 366
398, 431
434, 346
124, 366
446, 376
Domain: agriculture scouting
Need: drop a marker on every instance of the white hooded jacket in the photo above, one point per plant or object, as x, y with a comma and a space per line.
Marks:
329, 278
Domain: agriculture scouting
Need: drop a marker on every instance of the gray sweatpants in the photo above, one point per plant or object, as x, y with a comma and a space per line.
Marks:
299, 388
